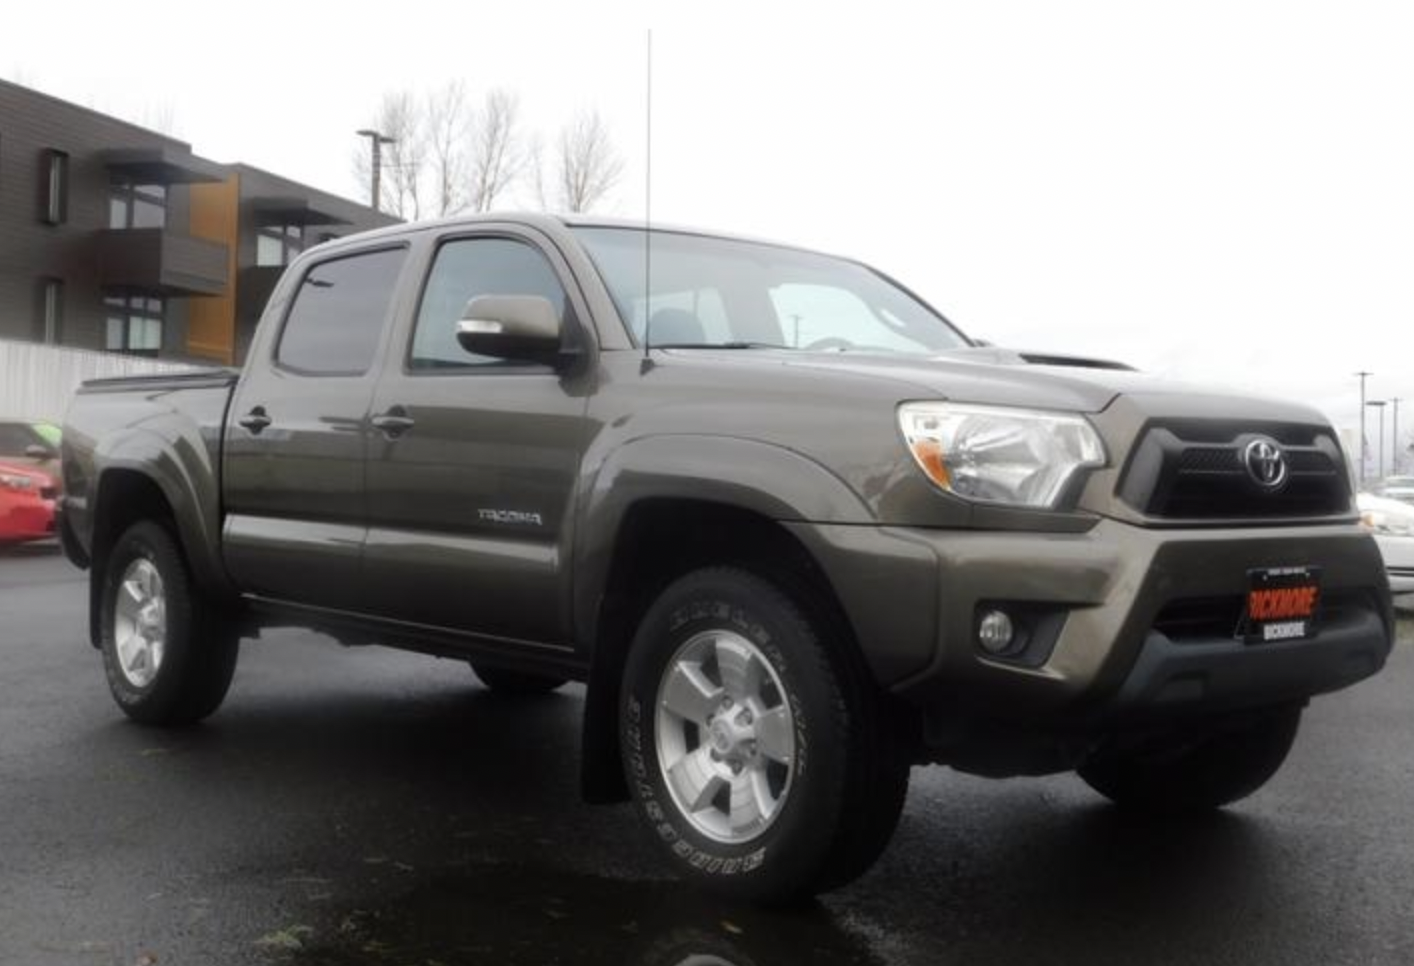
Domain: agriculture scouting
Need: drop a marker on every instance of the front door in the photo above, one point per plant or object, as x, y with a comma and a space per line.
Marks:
471, 478
296, 436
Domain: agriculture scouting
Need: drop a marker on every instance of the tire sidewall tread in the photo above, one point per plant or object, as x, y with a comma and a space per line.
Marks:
790, 857
199, 653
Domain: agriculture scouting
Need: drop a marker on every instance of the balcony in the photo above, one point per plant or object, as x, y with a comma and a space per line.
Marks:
158, 260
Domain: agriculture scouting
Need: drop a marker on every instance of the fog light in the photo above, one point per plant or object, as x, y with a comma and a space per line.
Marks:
995, 633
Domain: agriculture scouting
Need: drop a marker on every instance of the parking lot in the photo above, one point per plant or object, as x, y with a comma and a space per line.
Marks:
373, 807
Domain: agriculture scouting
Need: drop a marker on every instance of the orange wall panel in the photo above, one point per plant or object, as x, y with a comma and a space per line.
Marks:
211, 320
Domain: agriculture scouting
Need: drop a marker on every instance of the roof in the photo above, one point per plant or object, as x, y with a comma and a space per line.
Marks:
161, 164
147, 132
276, 190
296, 211
550, 222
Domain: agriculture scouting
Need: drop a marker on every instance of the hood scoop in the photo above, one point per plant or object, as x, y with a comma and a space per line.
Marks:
993, 355
1074, 362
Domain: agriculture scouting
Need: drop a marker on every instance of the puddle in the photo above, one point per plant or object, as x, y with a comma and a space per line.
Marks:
513, 915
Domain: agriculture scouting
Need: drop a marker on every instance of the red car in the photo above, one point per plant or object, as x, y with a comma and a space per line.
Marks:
26, 504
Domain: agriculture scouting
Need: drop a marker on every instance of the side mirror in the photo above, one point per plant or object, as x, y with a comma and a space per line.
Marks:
524, 328
36, 452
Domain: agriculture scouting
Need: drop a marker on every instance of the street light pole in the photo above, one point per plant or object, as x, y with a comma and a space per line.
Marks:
1394, 441
375, 142
1380, 405
1364, 456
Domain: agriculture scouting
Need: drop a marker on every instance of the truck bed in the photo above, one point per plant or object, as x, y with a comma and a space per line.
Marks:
167, 429
216, 377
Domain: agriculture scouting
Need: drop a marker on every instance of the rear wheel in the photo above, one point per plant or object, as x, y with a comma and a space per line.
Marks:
169, 654
517, 682
753, 749
1189, 773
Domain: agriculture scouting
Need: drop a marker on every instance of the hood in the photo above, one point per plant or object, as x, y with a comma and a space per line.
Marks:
1002, 377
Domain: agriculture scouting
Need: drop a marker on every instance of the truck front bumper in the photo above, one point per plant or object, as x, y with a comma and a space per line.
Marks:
1129, 623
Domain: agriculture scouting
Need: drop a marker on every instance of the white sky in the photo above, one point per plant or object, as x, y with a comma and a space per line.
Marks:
1221, 192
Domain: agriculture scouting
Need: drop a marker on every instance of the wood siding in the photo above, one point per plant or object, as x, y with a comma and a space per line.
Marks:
211, 322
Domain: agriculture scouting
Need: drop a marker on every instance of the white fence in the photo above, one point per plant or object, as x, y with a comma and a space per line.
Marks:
37, 381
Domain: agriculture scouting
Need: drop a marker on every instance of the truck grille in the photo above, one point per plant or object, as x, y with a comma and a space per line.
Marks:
1194, 470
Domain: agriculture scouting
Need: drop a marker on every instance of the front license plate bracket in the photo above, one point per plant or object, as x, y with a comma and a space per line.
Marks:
1283, 604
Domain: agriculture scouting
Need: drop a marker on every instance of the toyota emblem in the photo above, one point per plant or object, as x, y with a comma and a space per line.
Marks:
1266, 463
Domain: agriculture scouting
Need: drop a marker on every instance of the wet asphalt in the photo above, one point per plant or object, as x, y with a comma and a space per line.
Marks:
369, 807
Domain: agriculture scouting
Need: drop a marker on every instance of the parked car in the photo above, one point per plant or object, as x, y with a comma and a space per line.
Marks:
795, 531
26, 504
1392, 523
31, 443
1395, 488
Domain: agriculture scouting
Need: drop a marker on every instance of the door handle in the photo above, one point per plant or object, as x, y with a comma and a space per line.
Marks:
255, 420
394, 422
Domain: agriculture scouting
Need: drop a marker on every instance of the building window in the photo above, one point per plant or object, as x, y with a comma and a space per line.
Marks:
55, 170
278, 244
51, 311
137, 206
134, 324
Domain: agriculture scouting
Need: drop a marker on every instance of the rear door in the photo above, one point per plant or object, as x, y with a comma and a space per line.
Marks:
296, 435
471, 482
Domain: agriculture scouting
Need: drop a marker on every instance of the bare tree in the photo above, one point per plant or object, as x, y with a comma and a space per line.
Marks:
442, 156
588, 166
160, 117
535, 173
497, 155
404, 157
447, 127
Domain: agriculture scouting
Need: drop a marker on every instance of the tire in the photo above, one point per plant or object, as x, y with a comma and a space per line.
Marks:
1196, 773
792, 732
517, 682
168, 653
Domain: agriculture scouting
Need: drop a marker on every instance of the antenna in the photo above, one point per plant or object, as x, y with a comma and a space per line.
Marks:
648, 215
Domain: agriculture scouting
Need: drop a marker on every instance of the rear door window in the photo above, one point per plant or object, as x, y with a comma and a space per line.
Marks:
339, 314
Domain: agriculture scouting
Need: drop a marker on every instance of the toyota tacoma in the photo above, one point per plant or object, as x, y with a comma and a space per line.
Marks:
793, 530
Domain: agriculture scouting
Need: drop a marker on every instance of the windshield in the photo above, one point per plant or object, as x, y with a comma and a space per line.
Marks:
52, 434
720, 292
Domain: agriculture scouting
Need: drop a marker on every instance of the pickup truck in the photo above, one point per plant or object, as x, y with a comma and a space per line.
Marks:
794, 532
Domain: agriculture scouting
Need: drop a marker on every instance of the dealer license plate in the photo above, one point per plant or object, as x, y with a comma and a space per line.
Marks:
1283, 604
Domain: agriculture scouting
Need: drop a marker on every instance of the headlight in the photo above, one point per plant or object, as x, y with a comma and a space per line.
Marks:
11, 482
1393, 524
1021, 457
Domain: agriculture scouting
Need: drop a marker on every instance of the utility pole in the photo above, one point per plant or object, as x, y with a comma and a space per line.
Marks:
1394, 441
1364, 456
376, 142
1380, 405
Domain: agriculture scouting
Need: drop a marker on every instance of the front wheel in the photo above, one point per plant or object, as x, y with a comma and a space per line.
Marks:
756, 753
168, 654
1191, 773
